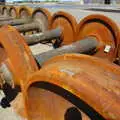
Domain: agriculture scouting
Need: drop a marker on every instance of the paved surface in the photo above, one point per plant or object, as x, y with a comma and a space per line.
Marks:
8, 114
40, 48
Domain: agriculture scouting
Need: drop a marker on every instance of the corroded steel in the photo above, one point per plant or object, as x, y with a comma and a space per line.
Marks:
4, 10
41, 20
10, 36
16, 59
88, 46
79, 13
14, 11
67, 23
102, 42
105, 30
85, 82
42, 15
25, 12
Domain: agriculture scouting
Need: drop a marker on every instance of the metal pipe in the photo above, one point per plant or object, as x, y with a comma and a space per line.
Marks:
83, 46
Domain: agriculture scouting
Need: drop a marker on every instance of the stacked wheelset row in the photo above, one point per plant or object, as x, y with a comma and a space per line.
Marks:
68, 24
68, 75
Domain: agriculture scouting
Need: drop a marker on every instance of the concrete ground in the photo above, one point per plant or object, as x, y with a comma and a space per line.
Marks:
8, 113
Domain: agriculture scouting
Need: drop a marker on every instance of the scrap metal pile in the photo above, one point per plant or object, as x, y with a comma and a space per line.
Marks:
79, 79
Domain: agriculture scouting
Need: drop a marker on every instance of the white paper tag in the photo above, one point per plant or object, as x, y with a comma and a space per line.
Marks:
107, 48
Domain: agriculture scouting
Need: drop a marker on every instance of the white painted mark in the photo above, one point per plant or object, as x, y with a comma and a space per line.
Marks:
67, 71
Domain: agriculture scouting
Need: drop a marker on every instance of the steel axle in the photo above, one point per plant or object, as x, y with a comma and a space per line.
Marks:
15, 22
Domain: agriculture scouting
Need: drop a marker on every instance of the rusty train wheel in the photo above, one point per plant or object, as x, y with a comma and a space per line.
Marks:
68, 24
106, 32
66, 105
64, 83
5, 11
14, 11
43, 16
25, 12
16, 59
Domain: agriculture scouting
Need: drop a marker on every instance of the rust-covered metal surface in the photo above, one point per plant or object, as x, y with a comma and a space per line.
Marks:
105, 30
40, 18
16, 61
79, 14
25, 12
43, 16
4, 10
87, 83
14, 11
110, 26
71, 86
78, 10
68, 25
